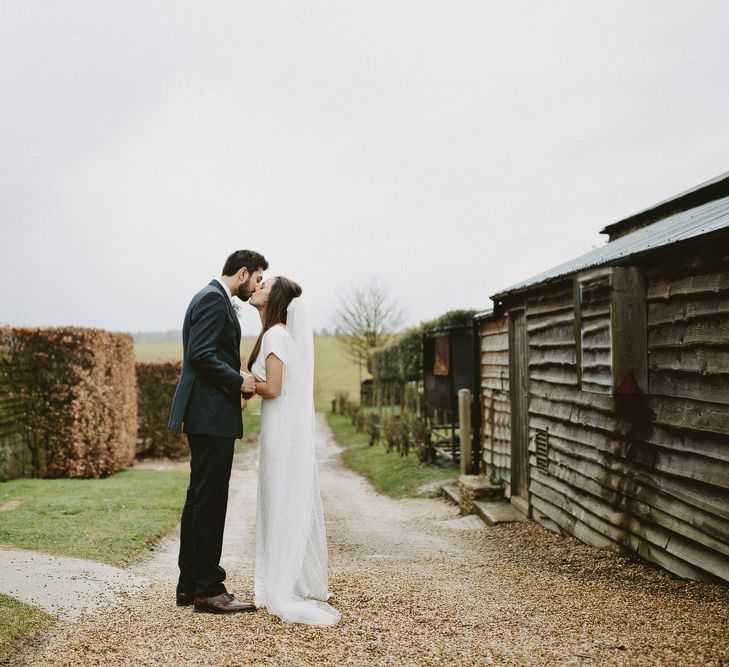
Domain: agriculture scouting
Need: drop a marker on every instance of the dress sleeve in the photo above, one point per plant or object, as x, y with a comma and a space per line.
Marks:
275, 344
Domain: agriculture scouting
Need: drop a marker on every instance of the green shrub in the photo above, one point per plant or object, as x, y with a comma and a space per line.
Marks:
401, 361
401, 433
358, 419
341, 398
453, 318
421, 440
372, 428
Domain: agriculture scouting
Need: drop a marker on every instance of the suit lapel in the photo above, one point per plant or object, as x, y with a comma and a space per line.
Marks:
231, 312
236, 320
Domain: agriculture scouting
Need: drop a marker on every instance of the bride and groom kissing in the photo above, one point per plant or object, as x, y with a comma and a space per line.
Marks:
291, 578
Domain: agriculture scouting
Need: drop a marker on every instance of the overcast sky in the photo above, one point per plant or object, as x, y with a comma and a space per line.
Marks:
448, 149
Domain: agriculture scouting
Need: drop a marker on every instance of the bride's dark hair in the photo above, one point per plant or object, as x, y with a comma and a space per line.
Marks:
283, 291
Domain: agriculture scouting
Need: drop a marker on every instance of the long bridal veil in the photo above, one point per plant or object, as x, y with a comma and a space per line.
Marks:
291, 551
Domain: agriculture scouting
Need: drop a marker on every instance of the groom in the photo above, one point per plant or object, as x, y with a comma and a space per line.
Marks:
207, 406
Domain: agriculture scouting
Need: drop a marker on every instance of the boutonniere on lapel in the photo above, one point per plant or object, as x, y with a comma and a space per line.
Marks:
237, 308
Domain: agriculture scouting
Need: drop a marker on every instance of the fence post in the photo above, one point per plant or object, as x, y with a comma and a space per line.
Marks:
464, 427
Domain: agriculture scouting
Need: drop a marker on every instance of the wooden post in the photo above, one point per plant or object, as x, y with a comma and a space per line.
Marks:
629, 314
464, 426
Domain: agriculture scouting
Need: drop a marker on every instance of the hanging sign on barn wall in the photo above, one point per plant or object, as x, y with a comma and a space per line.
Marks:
441, 364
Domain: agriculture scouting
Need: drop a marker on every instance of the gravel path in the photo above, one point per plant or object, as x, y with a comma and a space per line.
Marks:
416, 586
66, 587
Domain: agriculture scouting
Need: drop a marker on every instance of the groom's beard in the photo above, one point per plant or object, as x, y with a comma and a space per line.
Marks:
245, 291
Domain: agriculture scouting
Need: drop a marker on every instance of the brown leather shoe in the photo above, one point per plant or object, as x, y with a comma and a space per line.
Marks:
224, 603
185, 599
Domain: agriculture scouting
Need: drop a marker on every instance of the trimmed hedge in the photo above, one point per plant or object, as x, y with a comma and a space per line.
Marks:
156, 383
402, 359
453, 318
67, 401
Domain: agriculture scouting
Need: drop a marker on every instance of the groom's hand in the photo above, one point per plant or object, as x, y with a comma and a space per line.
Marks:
249, 384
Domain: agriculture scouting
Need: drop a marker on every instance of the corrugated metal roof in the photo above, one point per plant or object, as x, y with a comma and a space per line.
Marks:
682, 226
706, 185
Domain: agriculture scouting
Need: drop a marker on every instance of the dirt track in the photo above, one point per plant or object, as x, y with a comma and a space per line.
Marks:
416, 586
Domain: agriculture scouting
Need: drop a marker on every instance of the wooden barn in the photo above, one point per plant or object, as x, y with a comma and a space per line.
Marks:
605, 388
448, 365
494, 400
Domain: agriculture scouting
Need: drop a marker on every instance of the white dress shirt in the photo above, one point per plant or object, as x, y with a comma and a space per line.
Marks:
226, 288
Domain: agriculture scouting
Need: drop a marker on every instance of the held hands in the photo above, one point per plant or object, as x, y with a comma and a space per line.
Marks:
248, 388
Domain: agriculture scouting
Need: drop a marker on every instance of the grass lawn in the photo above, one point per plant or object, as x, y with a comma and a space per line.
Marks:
333, 372
391, 474
18, 621
158, 351
251, 425
112, 520
172, 350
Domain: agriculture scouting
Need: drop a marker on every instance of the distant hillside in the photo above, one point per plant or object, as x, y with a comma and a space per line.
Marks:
173, 335
333, 372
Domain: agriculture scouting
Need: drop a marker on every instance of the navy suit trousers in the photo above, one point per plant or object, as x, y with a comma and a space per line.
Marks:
203, 517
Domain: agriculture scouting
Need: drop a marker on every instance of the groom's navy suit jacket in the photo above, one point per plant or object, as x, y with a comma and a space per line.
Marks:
207, 398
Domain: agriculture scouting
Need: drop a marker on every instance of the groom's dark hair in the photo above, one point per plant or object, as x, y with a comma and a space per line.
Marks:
251, 259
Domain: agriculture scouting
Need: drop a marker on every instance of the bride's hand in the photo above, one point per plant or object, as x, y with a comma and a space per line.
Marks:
249, 385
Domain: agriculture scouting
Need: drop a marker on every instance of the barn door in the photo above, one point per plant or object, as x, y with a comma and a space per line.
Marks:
519, 389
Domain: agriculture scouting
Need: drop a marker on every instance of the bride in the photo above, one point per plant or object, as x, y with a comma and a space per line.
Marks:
291, 551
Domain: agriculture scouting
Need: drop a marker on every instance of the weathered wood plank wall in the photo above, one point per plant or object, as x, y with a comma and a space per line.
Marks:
645, 475
495, 419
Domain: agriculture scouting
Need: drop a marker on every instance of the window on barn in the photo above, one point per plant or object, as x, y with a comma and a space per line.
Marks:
611, 331
592, 330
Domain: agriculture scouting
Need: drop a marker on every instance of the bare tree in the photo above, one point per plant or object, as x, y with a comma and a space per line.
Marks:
366, 318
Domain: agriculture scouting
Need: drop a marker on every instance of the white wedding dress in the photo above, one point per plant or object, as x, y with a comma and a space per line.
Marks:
291, 578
